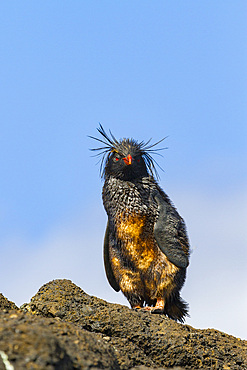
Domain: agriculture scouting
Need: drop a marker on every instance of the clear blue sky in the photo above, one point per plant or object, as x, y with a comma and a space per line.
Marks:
142, 69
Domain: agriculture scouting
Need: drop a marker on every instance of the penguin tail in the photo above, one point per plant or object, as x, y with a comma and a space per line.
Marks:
176, 308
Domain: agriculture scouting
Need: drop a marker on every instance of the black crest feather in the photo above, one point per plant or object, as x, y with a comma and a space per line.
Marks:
111, 144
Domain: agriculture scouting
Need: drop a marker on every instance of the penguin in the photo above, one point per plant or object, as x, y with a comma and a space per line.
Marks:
146, 247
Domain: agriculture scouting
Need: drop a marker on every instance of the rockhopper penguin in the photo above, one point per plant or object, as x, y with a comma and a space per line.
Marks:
146, 247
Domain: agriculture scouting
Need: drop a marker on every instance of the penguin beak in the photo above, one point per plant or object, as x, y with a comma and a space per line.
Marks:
128, 160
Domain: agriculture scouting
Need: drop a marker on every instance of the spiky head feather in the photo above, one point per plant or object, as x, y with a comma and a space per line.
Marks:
123, 147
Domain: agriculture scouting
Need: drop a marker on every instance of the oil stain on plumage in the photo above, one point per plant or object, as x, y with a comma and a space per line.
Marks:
146, 247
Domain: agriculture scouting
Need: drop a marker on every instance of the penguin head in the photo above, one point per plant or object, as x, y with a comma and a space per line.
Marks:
125, 159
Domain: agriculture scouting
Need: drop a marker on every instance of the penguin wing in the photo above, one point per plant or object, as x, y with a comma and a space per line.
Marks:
170, 233
107, 263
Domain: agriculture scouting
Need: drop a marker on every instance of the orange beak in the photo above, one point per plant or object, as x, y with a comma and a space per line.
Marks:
128, 160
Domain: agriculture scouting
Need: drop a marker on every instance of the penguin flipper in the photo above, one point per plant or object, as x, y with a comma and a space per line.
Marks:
107, 263
170, 233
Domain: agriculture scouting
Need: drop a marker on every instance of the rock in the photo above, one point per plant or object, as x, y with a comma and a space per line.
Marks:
41, 343
6, 305
65, 328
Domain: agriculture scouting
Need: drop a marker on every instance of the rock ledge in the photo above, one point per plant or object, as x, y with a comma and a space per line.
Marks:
64, 328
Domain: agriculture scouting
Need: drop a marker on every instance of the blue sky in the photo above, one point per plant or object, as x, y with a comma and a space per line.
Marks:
142, 69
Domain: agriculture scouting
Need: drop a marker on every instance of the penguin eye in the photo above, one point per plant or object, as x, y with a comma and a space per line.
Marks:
116, 157
138, 159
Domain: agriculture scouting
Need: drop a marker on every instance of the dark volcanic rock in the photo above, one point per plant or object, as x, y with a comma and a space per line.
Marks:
64, 328
139, 338
6, 305
40, 343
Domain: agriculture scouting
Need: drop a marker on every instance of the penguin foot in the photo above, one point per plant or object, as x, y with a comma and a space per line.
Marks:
147, 308
137, 308
153, 310
159, 306
157, 309
143, 309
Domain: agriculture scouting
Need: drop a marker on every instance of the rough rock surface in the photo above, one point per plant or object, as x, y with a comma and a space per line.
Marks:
65, 328
5, 304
